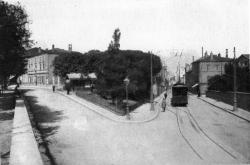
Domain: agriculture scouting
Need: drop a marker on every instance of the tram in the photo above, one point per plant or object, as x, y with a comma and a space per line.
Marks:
179, 95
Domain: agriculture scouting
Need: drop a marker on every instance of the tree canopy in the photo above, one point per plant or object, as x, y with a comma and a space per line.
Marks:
69, 62
225, 82
112, 69
14, 39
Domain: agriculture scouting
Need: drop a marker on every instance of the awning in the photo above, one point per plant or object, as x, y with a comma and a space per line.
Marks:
92, 76
195, 85
76, 76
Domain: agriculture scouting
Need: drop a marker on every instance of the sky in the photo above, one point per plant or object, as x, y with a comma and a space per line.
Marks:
147, 25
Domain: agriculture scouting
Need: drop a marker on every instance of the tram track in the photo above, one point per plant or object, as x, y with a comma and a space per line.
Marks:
198, 130
182, 134
184, 137
190, 115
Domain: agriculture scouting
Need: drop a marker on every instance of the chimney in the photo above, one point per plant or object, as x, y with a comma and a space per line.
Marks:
53, 46
226, 53
70, 47
39, 50
202, 51
211, 55
219, 55
193, 58
205, 54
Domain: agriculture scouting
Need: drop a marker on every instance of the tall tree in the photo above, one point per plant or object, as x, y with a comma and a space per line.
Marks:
14, 39
114, 45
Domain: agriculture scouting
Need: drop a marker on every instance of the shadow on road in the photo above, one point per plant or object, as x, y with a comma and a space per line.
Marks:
44, 122
44, 118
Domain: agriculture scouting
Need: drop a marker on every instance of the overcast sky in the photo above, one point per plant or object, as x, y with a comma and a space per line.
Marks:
156, 25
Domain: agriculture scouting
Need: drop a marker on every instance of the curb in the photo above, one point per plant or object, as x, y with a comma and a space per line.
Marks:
24, 148
115, 120
225, 110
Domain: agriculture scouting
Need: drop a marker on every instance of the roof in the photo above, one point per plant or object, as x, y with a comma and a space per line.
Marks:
38, 51
215, 58
81, 76
245, 55
92, 76
33, 52
75, 76
179, 85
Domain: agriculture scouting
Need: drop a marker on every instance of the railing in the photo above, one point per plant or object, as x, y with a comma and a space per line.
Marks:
243, 98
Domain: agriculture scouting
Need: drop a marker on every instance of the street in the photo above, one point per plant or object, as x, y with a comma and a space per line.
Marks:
78, 135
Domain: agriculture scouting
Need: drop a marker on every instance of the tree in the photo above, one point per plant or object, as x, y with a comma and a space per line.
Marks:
14, 39
114, 45
225, 81
135, 65
69, 62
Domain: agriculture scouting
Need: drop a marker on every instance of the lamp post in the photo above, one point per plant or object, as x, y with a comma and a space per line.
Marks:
126, 81
235, 85
36, 76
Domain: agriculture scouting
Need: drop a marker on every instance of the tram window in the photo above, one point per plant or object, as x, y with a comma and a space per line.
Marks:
180, 91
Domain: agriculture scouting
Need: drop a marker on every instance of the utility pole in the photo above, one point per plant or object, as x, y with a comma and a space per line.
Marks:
180, 67
235, 86
151, 84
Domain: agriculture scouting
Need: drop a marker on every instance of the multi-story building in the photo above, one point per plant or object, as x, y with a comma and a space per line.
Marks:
40, 69
205, 68
40, 66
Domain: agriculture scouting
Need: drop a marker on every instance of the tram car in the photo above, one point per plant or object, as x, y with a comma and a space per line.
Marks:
179, 95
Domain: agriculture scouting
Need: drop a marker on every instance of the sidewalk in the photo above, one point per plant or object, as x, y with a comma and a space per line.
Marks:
139, 115
228, 108
24, 149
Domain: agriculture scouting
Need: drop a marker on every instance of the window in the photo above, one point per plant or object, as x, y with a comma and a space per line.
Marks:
40, 63
217, 67
208, 67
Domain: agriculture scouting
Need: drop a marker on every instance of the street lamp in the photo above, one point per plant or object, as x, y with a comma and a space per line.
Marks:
36, 76
126, 81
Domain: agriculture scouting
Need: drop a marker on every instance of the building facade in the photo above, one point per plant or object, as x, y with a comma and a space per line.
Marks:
40, 68
205, 68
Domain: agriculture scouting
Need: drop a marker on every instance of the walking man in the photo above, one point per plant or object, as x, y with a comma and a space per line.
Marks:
198, 91
67, 85
164, 103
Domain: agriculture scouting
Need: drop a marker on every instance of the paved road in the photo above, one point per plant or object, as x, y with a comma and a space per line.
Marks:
226, 127
79, 136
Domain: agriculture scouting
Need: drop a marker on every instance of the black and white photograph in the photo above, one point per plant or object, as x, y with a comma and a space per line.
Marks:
124, 82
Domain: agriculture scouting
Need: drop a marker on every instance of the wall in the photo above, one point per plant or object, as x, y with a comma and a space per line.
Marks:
243, 99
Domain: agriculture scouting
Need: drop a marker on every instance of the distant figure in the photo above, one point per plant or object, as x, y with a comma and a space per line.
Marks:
67, 85
53, 85
198, 91
164, 103
91, 87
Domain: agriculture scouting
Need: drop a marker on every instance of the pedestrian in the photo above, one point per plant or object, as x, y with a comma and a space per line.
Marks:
198, 91
164, 103
67, 85
53, 87
53, 84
